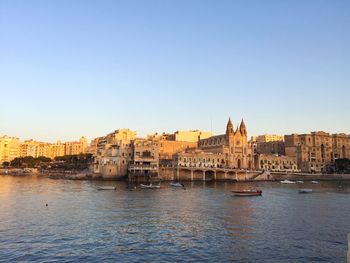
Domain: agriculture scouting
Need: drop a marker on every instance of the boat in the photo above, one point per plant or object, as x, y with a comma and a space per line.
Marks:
249, 192
287, 182
314, 182
176, 185
106, 188
305, 191
300, 182
150, 186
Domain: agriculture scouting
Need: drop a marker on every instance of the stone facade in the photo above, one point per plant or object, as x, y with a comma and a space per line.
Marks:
269, 138
9, 148
78, 147
111, 163
275, 163
200, 159
315, 151
233, 144
114, 153
146, 158
271, 147
191, 136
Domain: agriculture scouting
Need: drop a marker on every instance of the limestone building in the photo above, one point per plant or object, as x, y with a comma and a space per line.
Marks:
315, 151
114, 153
271, 147
275, 163
146, 158
200, 159
78, 147
9, 148
233, 144
191, 136
269, 138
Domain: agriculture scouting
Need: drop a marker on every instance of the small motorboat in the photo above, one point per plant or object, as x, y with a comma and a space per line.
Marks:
314, 182
150, 186
176, 185
249, 192
305, 191
287, 182
107, 188
300, 182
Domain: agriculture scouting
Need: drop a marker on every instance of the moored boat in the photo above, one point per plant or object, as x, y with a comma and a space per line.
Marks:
305, 191
250, 192
106, 188
176, 185
287, 182
150, 186
300, 182
314, 182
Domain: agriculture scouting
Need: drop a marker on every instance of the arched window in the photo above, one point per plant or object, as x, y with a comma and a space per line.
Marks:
239, 164
343, 151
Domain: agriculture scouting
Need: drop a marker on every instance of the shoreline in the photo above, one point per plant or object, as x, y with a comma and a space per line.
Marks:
271, 177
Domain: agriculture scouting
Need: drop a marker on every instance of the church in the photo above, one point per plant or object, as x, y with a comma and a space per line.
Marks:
234, 144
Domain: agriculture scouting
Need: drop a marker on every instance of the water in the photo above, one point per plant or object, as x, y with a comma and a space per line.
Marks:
203, 223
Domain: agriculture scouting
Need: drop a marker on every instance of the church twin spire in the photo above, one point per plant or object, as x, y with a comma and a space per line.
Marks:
242, 128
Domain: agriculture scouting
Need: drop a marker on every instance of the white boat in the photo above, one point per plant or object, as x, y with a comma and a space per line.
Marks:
176, 185
305, 191
150, 186
106, 188
314, 182
300, 182
287, 182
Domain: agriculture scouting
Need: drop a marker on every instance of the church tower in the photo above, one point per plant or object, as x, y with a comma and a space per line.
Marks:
229, 128
243, 129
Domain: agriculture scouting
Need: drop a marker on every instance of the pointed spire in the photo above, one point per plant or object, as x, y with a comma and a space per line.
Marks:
242, 128
229, 127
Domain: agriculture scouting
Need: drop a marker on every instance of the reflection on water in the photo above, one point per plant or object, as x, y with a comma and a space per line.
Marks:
203, 223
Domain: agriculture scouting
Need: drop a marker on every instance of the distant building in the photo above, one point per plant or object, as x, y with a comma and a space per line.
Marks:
75, 148
58, 149
111, 163
315, 151
146, 158
271, 147
191, 136
9, 148
200, 159
233, 144
275, 163
30, 148
269, 138
114, 153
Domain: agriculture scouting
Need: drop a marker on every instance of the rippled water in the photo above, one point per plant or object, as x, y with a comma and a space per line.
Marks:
202, 223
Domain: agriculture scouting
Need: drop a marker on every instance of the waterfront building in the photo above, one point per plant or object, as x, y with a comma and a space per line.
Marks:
110, 163
275, 163
57, 149
271, 147
191, 136
9, 148
168, 148
29, 148
269, 138
233, 144
200, 159
315, 151
75, 148
146, 158
114, 153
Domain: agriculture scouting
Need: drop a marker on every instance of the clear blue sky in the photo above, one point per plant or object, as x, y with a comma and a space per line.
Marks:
72, 68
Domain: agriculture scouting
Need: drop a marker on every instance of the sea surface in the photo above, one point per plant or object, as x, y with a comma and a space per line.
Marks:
203, 223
